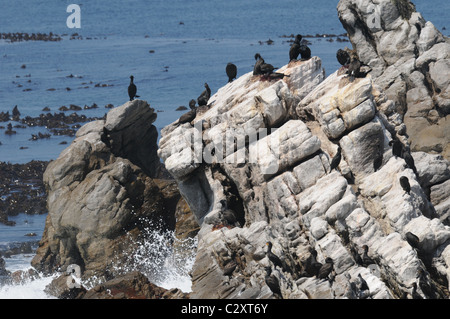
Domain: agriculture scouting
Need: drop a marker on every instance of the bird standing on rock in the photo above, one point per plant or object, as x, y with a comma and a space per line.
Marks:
326, 268
343, 58
305, 52
132, 89
366, 260
231, 71
404, 183
204, 97
272, 257
189, 116
257, 67
272, 282
397, 147
294, 51
336, 159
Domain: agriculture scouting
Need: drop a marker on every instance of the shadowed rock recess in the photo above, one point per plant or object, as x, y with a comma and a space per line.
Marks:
282, 190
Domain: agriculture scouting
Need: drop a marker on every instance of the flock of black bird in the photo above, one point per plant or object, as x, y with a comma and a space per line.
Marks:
265, 70
311, 267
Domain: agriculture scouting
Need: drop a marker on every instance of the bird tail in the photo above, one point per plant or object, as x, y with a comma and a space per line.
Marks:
136, 96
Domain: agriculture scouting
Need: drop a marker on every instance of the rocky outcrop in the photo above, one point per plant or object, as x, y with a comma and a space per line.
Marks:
263, 149
410, 61
102, 192
133, 285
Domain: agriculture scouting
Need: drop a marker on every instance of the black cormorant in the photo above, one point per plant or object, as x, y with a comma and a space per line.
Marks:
354, 68
272, 257
204, 97
231, 70
397, 147
378, 161
189, 116
294, 51
257, 67
305, 52
409, 160
343, 57
336, 159
326, 268
404, 183
412, 239
132, 89
414, 293
366, 260
272, 282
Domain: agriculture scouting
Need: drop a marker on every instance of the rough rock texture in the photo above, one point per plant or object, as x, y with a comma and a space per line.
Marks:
410, 61
101, 193
133, 285
281, 189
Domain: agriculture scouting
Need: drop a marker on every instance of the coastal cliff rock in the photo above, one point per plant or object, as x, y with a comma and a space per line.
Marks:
262, 150
102, 192
410, 61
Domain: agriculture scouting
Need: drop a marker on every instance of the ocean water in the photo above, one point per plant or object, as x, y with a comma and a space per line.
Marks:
171, 47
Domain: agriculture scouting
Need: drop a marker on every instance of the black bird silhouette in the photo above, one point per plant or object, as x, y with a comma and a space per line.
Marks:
354, 68
305, 52
326, 268
409, 160
132, 89
343, 57
272, 257
412, 239
336, 159
257, 67
231, 71
404, 183
189, 116
311, 266
366, 260
272, 282
397, 147
294, 51
204, 97
378, 161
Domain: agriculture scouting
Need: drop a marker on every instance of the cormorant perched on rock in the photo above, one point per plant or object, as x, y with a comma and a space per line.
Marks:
305, 52
412, 239
229, 216
366, 260
261, 67
378, 161
326, 268
294, 51
311, 266
272, 282
404, 183
409, 160
336, 159
257, 67
231, 70
354, 68
397, 147
189, 116
204, 97
132, 89
272, 257
343, 57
